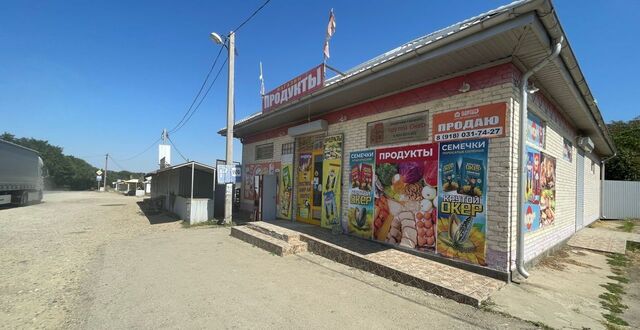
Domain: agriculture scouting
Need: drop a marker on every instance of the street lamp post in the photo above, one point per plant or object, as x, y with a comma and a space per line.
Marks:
228, 200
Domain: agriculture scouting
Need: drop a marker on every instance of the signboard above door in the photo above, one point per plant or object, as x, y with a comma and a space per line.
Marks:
294, 89
408, 128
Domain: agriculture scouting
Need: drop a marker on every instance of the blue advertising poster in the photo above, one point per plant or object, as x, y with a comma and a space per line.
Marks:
462, 200
360, 212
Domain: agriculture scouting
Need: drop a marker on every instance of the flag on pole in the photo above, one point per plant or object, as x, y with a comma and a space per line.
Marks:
261, 80
331, 29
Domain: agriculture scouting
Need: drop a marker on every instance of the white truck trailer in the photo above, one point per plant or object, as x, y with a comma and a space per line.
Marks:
21, 174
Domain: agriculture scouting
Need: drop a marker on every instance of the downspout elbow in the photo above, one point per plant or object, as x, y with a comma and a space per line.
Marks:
524, 93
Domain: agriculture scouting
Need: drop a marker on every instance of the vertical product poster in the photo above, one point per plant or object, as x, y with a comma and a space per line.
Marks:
406, 187
535, 130
532, 191
331, 180
548, 194
304, 185
285, 187
567, 151
463, 200
360, 212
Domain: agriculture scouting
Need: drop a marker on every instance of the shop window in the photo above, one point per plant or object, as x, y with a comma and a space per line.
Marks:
536, 130
287, 148
264, 151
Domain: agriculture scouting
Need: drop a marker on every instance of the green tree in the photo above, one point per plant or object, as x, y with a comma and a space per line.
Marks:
626, 164
66, 172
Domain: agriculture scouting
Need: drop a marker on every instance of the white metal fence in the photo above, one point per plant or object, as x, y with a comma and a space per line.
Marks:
621, 199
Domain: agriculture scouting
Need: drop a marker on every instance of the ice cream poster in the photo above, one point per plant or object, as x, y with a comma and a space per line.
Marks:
405, 190
548, 194
532, 191
285, 189
331, 182
360, 212
462, 200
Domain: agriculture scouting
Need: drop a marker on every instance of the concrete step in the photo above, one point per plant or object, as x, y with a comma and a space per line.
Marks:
274, 231
267, 242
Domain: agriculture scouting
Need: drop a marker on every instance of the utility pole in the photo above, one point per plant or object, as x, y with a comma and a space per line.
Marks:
106, 162
228, 201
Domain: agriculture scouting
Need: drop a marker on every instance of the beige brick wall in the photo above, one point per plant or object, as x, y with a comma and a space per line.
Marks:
499, 165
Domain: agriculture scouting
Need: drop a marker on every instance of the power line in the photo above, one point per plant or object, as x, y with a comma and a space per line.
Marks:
116, 163
251, 16
142, 152
181, 155
215, 61
203, 97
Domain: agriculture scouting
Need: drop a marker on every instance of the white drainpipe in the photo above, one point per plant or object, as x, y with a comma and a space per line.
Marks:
602, 178
522, 164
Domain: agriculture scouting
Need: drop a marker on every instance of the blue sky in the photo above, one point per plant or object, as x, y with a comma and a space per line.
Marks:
108, 76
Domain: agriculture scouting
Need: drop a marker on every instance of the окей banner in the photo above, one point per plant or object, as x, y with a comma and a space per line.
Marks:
294, 89
462, 200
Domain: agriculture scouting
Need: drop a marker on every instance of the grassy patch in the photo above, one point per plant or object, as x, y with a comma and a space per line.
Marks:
612, 299
614, 319
617, 260
627, 225
633, 246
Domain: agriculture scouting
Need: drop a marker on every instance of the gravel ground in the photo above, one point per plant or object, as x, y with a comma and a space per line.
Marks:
92, 260
46, 250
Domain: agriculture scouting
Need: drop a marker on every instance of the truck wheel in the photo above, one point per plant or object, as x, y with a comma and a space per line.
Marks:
24, 200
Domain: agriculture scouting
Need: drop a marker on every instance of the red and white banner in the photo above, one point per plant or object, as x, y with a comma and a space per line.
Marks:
294, 89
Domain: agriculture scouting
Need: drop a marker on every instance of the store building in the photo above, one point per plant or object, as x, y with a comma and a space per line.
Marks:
419, 147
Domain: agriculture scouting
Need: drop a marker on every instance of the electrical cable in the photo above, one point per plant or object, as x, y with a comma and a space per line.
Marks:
116, 163
203, 97
142, 152
178, 150
215, 61
251, 16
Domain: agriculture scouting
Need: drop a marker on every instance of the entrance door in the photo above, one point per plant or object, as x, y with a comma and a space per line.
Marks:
580, 190
316, 208
268, 196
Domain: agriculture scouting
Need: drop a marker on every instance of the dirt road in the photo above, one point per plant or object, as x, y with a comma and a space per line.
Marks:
91, 260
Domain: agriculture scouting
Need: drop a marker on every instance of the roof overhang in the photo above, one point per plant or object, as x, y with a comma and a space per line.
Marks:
194, 164
522, 32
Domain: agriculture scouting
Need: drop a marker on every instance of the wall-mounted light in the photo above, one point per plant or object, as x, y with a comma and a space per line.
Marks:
464, 88
532, 88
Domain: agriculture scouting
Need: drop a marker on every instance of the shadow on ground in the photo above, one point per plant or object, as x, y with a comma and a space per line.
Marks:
155, 214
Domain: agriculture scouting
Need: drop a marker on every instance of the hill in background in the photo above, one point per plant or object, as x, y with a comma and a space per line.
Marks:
66, 171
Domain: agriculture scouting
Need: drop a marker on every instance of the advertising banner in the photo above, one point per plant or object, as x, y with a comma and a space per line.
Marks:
540, 205
304, 185
332, 181
294, 89
463, 200
487, 121
285, 187
413, 127
250, 171
532, 191
360, 212
535, 130
406, 187
548, 194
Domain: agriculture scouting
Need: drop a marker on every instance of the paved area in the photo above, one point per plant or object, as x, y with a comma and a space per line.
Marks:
448, 281
565, 290
603, 239
92, 260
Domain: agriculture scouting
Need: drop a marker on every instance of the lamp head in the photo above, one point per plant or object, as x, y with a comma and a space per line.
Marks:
216, 38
